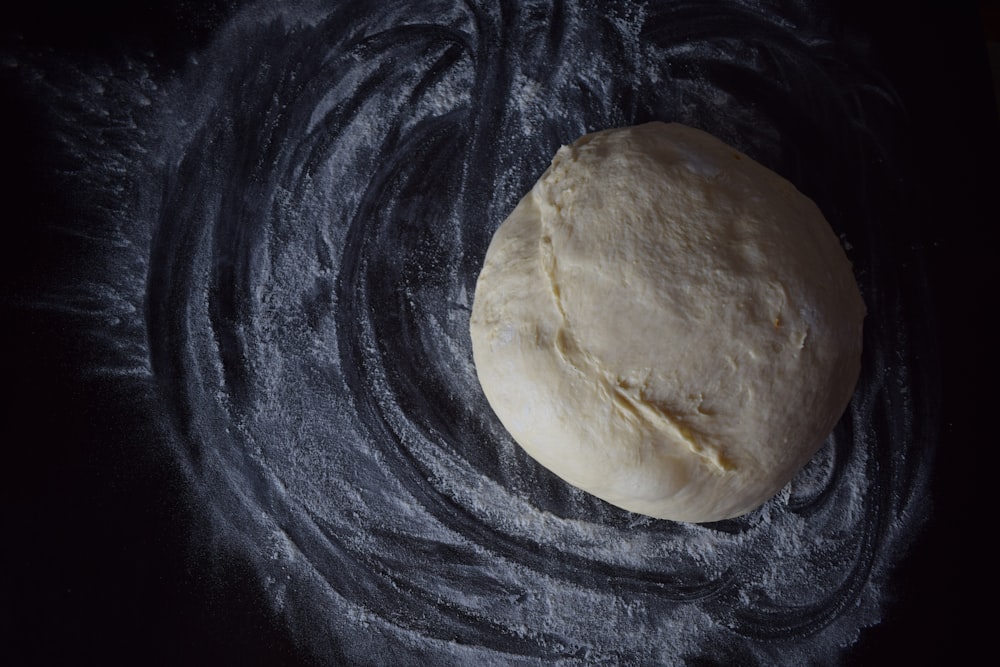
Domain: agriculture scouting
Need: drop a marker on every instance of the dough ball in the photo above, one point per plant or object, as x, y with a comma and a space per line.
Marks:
667, 324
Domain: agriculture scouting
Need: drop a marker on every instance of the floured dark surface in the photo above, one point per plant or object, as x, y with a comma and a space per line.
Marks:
281, 246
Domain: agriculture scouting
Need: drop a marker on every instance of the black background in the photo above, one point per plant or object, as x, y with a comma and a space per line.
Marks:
96, 564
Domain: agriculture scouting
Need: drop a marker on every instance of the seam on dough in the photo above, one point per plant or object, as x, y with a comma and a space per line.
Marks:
642, 409
569, 352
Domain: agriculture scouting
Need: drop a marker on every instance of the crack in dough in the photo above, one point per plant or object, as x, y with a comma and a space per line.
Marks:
628, 401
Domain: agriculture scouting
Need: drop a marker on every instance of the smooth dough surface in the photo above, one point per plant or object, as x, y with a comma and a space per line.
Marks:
667, 324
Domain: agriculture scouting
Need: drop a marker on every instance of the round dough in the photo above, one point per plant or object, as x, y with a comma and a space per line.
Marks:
667, 324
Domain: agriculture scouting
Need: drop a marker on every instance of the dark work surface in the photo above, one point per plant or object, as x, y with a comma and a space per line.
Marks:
97, 564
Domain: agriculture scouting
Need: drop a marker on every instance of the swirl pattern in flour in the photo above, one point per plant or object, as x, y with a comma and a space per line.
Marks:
318, 193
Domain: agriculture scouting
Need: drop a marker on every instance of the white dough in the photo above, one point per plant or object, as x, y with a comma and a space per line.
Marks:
667, 324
